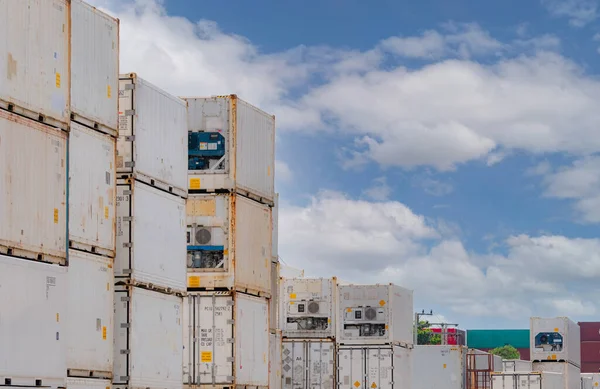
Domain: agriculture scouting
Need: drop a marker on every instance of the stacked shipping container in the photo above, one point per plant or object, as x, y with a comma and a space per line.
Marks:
590, 347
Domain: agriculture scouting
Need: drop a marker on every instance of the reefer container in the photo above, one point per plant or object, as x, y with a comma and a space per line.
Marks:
374, 314
34, 59
535, 380
148, 334
439, 367
555, 339
571, 373
226, 339
590, 380
89, 317
92, 190
33, 164
516, 365
308, 364
87, 383
231, 145
375, 367
275, 297
590, 352
275, 364
308, 308
94, 67
589, 331
150, 236
32, 312
229, 243
275, 238
152, 135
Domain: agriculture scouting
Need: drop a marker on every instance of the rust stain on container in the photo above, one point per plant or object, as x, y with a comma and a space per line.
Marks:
11, 67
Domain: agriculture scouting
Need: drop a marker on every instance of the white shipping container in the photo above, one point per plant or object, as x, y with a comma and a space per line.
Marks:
148, 334
87, 383
439, 367
32, 312
516, 365
555, 339
275, 238
246, 163
381, 367
34, 59
150, 236
152, 135
536, 380
374, 314
590, 380
275, 364
33, 165
275, 297
570, 373
229, 243
90, 311
226, 340
94, 67
308, 308
92, 190
308, 364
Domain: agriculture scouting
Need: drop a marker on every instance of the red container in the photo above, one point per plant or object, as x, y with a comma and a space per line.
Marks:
590, 331
455, 337
525, 353
590, 351
590, 367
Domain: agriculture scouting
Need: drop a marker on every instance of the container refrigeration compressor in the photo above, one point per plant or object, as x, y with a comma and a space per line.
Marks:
231, 146
228, 243
516, 365
374, 314
308, 364
308, 309
570, 373
226, 340
370, 366
555, 339
532, 380
439, 367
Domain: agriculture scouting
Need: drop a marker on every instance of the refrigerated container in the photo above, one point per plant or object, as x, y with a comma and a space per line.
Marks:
516, 365
439, 367
231, 146
148, 339
92, 191
590, 380
275, 297
33, 305
87, 383
150, 236
33, 165
555, 339
90, 310
275, 363
571, 373
226, 340
534, 380
275, 238
228, 243
152, 143
94, 68
375, 367
34, 59
308, 364
308, 307
374, 314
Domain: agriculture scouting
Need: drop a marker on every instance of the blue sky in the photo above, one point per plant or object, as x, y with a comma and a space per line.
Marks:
448, 146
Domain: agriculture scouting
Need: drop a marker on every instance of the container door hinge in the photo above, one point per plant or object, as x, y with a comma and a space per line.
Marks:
231, 321
126, 193
230, 302
125, 325
129, 86
129, 112
230, 359
130, 138
230, 340
129, 164
124, 352
125, 299
127, 218
128, 245
124, 378
127, 272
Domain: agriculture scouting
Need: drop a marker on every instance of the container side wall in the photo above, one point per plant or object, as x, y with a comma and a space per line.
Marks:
34, 56
94, 65
252, 341
275, 364
437, 367
92, 188
33, 165
87, 383
90, 312
275, 297
122, 336
589, 331
403, 368
401, 304
275, 238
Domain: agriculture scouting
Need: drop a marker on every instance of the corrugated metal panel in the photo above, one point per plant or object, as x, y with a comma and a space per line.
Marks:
308, 364
150, 236
439, 367
374, 367
590, 331
32, 326
251, 340
92, 190
147, 321
90, 314
94, 66
34, 57
487, 339
33, 165
590, 351
157, 122
590, 367
275, 364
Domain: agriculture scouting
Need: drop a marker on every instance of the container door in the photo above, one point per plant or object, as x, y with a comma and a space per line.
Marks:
126, 123
293, 373
529, 381
351, 368
402, 371
320, 365
379, 368
123, 242
121, 342
187, 322
251, 341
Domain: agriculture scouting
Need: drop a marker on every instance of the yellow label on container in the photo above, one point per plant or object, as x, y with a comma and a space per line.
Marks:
106, 212
194, 281
444, 365
225, 252
108, 286
57, 317
556, 330
194, 183
357, 384
269, 171
292, 296
104, 333
348, 309
55, 215
382, 303
374, 385
206, 356
58, 80
108, 94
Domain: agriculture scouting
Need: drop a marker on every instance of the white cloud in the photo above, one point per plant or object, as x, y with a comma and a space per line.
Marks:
380, 191
579, 12
282, 171
433, 187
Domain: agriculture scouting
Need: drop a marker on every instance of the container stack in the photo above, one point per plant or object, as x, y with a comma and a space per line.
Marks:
150, 251
275, 336
230, 263
308, 317
374, 337
590, 347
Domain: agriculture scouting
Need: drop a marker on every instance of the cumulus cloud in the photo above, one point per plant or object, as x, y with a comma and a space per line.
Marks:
283, 172
579, 12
